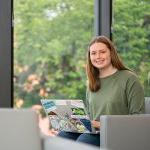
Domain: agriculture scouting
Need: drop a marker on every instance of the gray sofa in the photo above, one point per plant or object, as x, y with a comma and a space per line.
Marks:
129, 132
19, 131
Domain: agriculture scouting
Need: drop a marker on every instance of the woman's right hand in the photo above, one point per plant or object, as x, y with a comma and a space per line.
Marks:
53, 132
95, 124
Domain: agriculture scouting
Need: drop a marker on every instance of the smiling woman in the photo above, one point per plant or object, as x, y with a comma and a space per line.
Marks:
112, 88
102, 61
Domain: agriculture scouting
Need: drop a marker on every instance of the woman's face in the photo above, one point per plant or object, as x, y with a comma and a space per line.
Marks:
100, 56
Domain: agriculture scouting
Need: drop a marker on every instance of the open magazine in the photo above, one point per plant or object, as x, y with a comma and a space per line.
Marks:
68, 115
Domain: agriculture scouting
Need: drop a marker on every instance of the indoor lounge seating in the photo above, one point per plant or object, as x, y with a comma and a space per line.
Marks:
129, 132
19, 130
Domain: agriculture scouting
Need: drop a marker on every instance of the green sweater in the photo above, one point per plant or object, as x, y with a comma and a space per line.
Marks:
120, 94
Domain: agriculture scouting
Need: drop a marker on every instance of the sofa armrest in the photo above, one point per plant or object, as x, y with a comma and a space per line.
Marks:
58, 143
126, 132
147, 105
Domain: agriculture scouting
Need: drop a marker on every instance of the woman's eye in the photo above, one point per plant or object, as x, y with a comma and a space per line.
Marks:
93, 53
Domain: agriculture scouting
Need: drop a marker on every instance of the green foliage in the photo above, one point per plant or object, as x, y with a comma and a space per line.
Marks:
52, 36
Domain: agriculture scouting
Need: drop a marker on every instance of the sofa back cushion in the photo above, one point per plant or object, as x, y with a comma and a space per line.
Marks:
128, 132
19, 130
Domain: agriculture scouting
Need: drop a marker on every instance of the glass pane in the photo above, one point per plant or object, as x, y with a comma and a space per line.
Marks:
50, 41
131, 34
50, 44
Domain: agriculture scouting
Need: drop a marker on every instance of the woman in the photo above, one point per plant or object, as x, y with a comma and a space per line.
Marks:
112, 88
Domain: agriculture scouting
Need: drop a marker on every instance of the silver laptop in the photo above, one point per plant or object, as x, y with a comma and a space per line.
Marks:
19, 130
68, 115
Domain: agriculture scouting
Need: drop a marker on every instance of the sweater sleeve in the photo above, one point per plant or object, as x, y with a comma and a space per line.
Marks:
86, 102
135, 96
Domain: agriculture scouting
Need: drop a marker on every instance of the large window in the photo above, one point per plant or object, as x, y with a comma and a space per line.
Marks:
50, 44
131, 34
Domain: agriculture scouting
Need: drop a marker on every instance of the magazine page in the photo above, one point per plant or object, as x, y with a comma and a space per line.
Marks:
67, 115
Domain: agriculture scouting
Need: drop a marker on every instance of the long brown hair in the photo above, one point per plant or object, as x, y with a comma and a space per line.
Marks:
93, 72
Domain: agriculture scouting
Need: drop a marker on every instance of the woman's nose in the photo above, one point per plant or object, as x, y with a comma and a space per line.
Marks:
98, 55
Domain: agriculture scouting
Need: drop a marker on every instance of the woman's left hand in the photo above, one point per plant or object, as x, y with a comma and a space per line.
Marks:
96, 124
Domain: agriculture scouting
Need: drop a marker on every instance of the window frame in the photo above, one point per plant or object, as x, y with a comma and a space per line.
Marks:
6, 54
